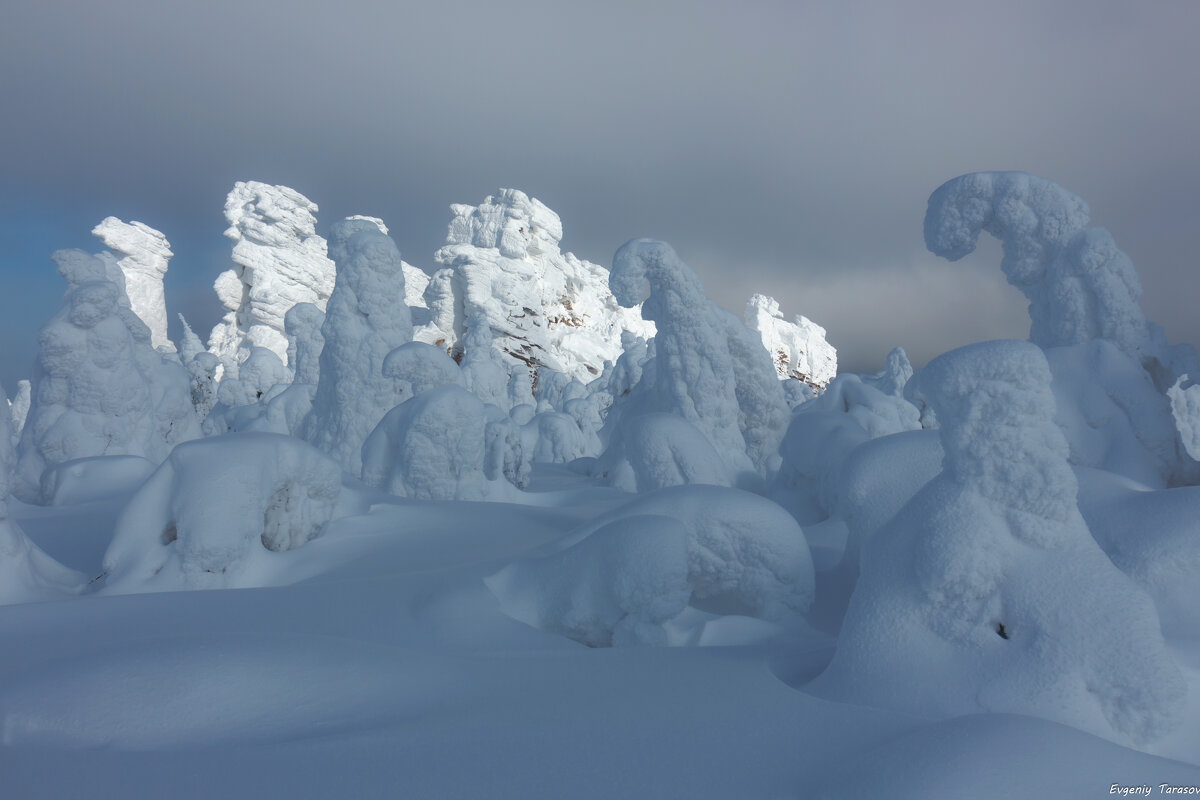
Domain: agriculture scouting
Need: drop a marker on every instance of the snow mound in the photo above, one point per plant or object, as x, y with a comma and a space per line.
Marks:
986, 592
97, 478
797, 348
217, 510
143, 255
654, 451
619, 586
432, 447
422, 366
503, 269
279, 261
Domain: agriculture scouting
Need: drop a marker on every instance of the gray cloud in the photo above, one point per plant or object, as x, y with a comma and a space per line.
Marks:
788, 145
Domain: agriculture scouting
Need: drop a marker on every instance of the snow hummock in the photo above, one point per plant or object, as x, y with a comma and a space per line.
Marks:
279, 261
987, 591
143, 255
503, 269
217, 510
797, 348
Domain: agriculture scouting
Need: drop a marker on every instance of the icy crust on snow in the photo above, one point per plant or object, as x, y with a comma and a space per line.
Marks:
503, 269
217, 510
1080, 286
434, 447
797, 348
364, 321
100, 388
987, 592
627, 577
708, 368
143, 254
279, 261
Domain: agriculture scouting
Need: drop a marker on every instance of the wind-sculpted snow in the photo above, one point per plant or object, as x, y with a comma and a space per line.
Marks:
798, 348
433, 447
1080, 286
143, 255
216, 511
987, 592
627, 577
1185, 409
365, 320
658, 450
100, 388
542, 306
279, 261
705, 368
19, 407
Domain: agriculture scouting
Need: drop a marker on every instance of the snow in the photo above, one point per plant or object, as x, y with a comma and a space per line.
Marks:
644, 563
279, 261
144, 253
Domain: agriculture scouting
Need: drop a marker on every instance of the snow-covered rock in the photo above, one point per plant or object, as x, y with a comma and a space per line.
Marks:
797, 348
987, 592
364, 322
142, 254
100, 387
217, 510
542, 306
279, 261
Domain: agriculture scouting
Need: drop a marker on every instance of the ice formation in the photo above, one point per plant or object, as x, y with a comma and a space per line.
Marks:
704, 369
100, 388
279, 261
542, 306
216, 511
143, 255
798, 348
365, 320
987, 591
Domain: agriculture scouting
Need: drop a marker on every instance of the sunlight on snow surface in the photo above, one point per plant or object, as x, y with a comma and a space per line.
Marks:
546, 530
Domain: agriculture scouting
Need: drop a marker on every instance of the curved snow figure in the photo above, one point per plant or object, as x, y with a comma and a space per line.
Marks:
432, 447
422, 366
26, 573
1081, 289
144, 255
654, 451
217, 511
364, 321
100, 388
1080, 286
987, 592
302, 324
709, 369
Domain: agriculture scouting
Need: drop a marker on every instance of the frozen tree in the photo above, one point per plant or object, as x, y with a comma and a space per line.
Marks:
422, 367
705, 369
100, 388
19, 407
364, 321
987, 592
142, 254
797, 348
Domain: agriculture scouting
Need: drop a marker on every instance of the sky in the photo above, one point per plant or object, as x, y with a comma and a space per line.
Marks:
787, 148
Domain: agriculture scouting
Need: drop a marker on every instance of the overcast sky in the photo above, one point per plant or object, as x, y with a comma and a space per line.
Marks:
786, 148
